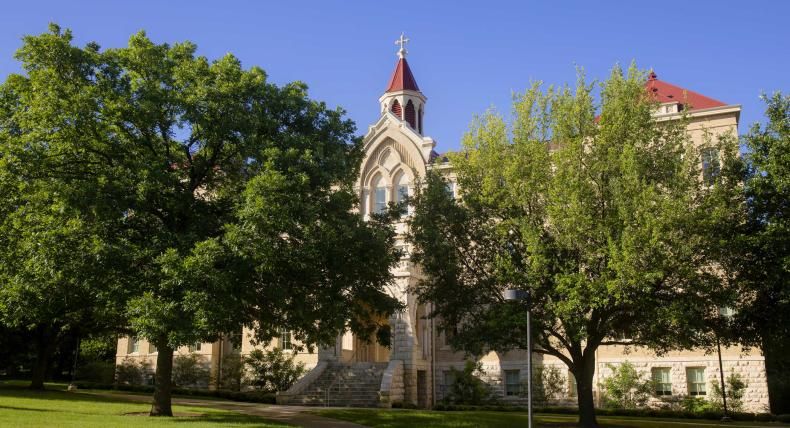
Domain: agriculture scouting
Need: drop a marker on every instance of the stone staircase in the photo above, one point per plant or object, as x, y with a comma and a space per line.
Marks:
343, 385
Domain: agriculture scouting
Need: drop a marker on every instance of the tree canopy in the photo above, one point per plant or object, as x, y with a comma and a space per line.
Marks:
595, 208
230, 197
758, 249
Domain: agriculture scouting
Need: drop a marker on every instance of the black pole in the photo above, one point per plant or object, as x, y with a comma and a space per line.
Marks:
73, 384
529, 361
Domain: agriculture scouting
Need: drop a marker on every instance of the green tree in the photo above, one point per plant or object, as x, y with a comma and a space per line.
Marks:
55, 264
757, 250
598, 218
231, 198
736, 388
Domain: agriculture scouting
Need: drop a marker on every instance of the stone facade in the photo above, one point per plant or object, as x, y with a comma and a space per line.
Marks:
397, 153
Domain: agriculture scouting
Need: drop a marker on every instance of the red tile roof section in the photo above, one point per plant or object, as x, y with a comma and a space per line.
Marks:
666, 93
402, 79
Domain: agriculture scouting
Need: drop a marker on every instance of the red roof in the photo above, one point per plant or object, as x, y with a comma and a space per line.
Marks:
666, 93
402, 79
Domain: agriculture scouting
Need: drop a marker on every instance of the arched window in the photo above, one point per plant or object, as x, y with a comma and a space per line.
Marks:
419, 121
402, 191
411, 115
396, 110
379, 196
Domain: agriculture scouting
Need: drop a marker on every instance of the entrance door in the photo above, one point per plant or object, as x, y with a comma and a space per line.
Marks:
422, 389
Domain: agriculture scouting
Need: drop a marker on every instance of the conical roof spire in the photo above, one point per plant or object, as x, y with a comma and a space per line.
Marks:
402, 78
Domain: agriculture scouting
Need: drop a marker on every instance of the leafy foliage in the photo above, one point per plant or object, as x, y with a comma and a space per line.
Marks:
602, 219
548, 384
190, 370
198, 196
468, 386
626, 388
132, 372
273, 370
759, 248
232, 372
736, 388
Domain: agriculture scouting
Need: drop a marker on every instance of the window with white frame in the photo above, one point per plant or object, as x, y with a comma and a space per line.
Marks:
661, 380
152, 348
380, 202
402, 194
710, 165
286, 343
134, 345
450, 188
512, 382
695, 377
195, 347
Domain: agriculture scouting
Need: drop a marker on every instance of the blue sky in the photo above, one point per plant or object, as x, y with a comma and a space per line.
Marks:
466, 56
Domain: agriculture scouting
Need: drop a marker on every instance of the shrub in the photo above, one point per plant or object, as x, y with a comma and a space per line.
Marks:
97, 371
232, 371
189, 370
626, 388
696, 405
468, 388
131, 372
272, 370
736, 388
548, 383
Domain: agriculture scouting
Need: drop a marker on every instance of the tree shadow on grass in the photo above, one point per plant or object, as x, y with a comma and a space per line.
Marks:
24, 409
229, 418
46, 394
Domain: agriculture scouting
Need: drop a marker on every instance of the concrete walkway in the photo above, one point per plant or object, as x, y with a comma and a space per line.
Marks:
295, 415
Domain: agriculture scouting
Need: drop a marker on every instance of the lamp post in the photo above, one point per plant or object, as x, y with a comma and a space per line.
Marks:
519, 295
727, 313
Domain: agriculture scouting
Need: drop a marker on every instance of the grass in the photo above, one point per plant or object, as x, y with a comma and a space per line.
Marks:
462, 419
20, 407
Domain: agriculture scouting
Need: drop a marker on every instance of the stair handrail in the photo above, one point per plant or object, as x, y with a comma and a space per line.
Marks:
326, 402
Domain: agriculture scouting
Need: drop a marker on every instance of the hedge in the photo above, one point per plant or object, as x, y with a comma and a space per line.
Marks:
646, 412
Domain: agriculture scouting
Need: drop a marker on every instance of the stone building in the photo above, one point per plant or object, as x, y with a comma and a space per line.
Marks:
416, 368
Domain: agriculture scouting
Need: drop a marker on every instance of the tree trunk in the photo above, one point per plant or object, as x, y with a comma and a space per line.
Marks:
45, 347
163, 388
585, 372
777, 372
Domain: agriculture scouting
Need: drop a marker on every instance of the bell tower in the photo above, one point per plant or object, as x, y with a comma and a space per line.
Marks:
403, 98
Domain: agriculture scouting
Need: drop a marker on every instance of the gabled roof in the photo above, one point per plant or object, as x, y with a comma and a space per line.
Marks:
402, 79
666, 93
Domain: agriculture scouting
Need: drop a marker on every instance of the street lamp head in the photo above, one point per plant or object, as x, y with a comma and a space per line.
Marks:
513, 294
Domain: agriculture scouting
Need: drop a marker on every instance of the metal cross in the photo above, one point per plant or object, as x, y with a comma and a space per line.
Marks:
402, 42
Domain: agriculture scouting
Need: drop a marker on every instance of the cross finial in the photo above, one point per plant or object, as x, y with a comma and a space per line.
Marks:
402, 42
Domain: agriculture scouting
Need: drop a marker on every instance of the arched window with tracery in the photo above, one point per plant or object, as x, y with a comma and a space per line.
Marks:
379, 196
402, 191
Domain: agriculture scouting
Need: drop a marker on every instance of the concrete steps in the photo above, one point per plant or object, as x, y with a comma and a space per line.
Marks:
344, 385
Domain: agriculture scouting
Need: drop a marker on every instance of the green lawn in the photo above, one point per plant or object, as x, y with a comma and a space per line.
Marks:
424, 418
20, 407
